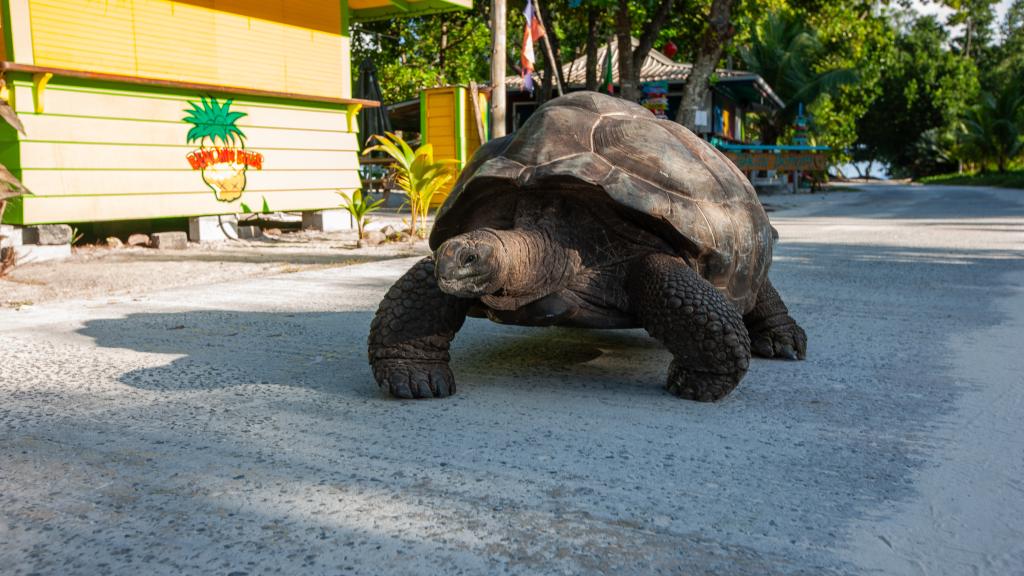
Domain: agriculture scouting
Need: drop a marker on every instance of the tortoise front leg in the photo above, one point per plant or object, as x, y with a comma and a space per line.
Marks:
773, 332
410, 335
702, 329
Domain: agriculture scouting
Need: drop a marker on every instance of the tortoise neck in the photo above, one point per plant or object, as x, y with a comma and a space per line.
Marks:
532, 264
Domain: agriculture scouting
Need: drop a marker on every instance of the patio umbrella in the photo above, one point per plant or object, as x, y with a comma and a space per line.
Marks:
371, 120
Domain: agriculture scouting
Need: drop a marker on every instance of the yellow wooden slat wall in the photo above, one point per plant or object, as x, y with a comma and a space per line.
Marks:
115, 152
243, 43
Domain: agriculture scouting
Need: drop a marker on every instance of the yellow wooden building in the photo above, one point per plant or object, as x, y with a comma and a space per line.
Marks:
453, 125
142, 109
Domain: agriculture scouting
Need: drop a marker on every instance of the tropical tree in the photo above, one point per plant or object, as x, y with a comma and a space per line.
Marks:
419, 176
926, 87
784, 51
993, 130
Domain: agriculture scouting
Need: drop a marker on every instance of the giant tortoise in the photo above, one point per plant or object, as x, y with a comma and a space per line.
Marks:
597, 215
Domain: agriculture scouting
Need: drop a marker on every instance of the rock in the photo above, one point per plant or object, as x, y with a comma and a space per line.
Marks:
138, 240
48, 234
374, 237
249, 232
114, 242
170, 241
388, 231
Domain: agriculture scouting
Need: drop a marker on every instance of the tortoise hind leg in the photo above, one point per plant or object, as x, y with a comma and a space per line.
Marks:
773, 332
411, 333
702, 329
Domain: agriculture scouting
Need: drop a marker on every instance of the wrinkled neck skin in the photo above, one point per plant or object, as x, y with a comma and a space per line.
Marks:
506, 269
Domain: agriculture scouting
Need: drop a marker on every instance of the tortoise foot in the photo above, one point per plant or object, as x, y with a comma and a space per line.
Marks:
700, 386
414, 378
787, 341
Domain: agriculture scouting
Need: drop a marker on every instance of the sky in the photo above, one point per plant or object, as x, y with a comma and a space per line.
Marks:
936, 8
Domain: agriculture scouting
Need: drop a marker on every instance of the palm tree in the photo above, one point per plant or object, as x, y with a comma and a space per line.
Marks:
784, 51
993, 130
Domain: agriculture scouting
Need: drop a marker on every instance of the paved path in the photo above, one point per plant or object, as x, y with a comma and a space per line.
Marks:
236, 429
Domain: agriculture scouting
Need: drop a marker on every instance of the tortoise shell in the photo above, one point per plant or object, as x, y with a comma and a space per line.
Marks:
655, 172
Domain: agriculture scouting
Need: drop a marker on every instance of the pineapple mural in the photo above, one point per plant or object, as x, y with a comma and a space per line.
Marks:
221, 157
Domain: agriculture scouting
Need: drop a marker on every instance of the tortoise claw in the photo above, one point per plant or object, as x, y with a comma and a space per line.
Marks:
414, 379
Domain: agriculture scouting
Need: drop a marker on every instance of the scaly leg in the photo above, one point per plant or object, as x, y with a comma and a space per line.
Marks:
410, 335
702, 329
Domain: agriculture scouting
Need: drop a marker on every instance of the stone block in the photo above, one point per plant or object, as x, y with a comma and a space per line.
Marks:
12, 235
327, 221
169, 241
48, 235
138, 240
32, 253
213, 228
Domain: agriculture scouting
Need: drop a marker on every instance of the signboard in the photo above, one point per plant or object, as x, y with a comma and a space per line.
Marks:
780, 161
223, 166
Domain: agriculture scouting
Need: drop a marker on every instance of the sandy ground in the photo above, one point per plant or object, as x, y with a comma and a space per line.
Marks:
235, 428
96, 270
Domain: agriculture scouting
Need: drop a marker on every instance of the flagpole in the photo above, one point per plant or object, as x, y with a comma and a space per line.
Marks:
498, 55
547, 48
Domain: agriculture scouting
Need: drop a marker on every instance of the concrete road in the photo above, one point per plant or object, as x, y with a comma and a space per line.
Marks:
235, 429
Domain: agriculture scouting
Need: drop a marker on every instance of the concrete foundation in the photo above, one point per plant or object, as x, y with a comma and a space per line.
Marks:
31, 253
213, 228
327, 221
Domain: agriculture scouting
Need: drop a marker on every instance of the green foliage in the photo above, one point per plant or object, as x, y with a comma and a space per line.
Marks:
789, 55
926, 87
360, 207
993, 131
419, 176
264, 210
415, 53
215, 121
1009, 179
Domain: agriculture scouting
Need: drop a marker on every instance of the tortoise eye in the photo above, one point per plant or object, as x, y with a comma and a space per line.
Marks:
469, 259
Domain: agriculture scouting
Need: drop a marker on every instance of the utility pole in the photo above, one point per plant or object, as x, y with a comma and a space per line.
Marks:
498, 21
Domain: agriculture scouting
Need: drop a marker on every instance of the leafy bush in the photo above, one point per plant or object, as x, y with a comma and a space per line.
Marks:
419, 176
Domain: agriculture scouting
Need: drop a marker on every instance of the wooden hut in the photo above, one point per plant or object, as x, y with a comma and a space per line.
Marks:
146, 109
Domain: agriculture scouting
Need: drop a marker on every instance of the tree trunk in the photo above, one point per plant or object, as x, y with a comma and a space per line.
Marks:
441, 55
770, 132
712, 43
647, 38
624, 34
544, 94
631, 61
592, 38
498, 56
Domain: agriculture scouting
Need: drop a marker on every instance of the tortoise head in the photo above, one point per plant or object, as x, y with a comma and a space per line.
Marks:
470, 265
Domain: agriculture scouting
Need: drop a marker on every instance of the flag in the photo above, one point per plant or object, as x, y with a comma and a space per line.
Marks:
608, 84
534, 31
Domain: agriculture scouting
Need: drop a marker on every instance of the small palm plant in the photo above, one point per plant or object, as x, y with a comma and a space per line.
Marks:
214, 121
360, 207
419, 176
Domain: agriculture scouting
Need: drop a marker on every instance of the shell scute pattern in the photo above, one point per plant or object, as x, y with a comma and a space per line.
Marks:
658, 169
